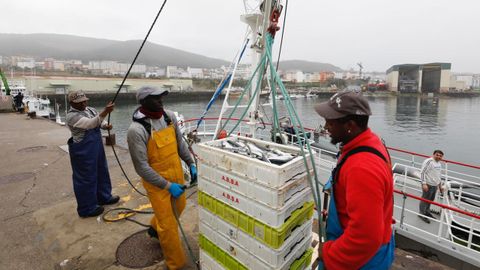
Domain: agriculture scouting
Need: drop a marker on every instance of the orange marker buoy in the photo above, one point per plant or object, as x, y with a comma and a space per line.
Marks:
222, 134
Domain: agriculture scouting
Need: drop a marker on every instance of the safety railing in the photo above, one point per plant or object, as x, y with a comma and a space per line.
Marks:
456, 226
452, 171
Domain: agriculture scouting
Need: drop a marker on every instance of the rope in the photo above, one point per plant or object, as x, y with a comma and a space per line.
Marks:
189, 248
127, 213
138, 53
283, 32
314, 183
118, 91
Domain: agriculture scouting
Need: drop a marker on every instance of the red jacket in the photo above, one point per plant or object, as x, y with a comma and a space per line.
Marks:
364, 201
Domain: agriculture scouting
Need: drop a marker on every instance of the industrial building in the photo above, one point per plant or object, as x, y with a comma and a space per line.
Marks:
61, 85
419, 78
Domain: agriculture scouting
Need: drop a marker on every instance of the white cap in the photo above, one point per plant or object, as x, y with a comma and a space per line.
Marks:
146, 91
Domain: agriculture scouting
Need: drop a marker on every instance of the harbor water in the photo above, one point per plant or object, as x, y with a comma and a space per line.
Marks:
414, 123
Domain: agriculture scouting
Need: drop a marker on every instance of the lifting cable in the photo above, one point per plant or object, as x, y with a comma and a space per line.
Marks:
305, 143
283, 32
298, 127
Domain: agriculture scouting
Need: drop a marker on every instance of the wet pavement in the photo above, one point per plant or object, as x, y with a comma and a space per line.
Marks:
40, 226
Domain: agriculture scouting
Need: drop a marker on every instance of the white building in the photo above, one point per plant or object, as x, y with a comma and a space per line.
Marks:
476, 81
115, 68
196, 73
294, 76
467, 79
25, 62
59, 65
176, 72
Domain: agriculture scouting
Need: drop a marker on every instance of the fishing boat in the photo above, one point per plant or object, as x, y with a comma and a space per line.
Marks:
31, 103
454, 235
309, 95
38, 106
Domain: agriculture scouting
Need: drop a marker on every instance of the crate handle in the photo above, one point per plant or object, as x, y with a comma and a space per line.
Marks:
291, 248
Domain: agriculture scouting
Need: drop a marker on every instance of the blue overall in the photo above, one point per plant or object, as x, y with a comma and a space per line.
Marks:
91, 180
383, 259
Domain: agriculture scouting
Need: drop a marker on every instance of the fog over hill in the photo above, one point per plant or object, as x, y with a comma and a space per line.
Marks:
63, 47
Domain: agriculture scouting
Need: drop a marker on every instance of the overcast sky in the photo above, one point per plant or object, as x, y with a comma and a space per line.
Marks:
378, 33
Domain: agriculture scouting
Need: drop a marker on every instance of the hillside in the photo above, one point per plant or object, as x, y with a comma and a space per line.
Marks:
64, 47
89, 49
307, 66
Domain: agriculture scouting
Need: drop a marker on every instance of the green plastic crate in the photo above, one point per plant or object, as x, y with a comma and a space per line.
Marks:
302, 262
219, 255
231, 263
272, 237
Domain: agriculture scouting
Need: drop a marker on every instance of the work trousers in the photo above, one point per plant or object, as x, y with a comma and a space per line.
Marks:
429, 195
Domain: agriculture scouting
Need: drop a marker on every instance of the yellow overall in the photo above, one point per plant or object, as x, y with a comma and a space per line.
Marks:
164, 159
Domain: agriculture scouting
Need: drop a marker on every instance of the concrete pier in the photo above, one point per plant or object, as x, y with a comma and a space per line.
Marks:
40, 226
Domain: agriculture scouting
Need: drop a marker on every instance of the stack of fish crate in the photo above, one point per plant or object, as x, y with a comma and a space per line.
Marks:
254, 214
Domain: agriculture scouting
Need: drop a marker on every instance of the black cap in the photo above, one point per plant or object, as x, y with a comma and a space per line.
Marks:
342, 104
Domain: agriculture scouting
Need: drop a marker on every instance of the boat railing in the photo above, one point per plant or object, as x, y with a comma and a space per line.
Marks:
465, 174
453, 170
458, 227
455, 187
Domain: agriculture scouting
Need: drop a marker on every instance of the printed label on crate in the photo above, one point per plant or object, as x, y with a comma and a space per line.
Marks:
230, 180
254, 190
230, 197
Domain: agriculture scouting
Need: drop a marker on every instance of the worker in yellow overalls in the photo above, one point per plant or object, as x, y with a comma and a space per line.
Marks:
156, 147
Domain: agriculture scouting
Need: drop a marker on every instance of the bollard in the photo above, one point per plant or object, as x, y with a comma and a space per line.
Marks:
110, 140
32, 114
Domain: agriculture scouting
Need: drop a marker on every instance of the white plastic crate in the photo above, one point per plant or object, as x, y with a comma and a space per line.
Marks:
248, 258
271, 217
267, 173
208, 263
274, 198
272, 257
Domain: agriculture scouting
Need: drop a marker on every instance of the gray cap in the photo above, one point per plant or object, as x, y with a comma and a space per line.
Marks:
77, 96
146, 91
342, 104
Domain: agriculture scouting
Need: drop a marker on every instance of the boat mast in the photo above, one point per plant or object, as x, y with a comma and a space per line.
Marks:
258, 20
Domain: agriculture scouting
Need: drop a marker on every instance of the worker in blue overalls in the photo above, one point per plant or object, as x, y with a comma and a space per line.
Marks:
91, 180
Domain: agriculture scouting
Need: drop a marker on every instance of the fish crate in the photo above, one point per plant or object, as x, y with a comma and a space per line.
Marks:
232, 256
272, 237
272, 257
209, 263
274, 198
268, 174
272, 217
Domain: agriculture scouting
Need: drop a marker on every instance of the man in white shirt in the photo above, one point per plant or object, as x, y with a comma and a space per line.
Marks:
91, 179
431, 181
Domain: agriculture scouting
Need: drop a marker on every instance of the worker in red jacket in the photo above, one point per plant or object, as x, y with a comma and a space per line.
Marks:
359, 219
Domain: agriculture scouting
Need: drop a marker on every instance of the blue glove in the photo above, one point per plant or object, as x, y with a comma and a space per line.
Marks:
193, 174
176, 190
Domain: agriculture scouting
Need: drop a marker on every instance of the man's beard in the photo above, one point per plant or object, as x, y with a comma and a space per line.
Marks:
335, 140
